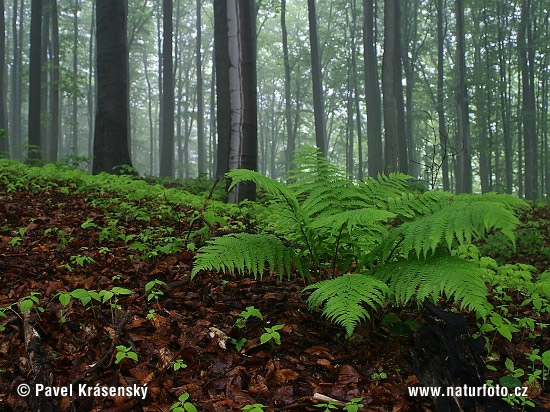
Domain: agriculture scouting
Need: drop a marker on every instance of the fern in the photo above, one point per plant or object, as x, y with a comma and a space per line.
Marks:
343, 298
436, 276
242, 252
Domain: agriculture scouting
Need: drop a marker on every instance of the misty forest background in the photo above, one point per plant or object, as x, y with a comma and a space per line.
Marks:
454, 93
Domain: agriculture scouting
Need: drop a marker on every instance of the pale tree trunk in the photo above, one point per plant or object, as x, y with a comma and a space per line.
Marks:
75, 78
149, 111
372, 93
15, 100
291, 138
223, 108
91, 84
356, 91
241, 23
4, 142
318, 105
35, 86
167, 139
464, 178
390, 99
111, 123
212, 129
54, 86
201, 149
443, 137
44, 115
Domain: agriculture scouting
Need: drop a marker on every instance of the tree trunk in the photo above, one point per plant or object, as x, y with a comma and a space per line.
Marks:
201, 149
111, 124
54, 87
75, 83
35, 86
241, 23
390, 99
318, 106
372, 93
91, 84
223, 109
4, 142
167, 139
44, 115
528, 102
464, 177
291, 138
443, 137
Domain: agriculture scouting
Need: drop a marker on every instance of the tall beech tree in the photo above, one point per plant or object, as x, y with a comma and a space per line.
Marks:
464, 158
4, 146
317, 79
111, 123
241, 44
445, 147
201, 149
35, 84
167, 138
372, 92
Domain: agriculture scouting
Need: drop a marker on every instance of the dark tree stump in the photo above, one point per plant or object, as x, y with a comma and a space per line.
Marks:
445, 355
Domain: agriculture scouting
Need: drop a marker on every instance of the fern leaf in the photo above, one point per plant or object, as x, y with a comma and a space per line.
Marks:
367, 217
244, 251
436, 276
344, 298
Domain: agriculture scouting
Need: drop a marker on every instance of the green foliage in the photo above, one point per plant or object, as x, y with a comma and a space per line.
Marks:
271, 334
398, 244
183, 405
124, 352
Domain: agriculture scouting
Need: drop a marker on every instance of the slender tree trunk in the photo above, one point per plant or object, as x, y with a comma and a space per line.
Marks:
200, 104
167, 140
4, 142
54, 86
213, 147
91, 84
75, 78
291, 138
243, 149
111, 123
504, 101
318, 106
149, 110
521, 191
356, 90
35, 86
443, 137
223, 105
398, 90
44, 114
392, 143
464, 178
528, 103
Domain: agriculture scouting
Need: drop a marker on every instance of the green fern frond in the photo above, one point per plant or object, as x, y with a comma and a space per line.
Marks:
510, 202
244, 251
435, 276
344, 298
458, 222
369, 218
409, 205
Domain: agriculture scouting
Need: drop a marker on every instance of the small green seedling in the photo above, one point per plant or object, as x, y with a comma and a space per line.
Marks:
125, 352
328, 406
154, 289
256, 407
151, 314
182, 405
271, 334
378, 376
31, 302
353, 405
238, 343
178, 364
245, 314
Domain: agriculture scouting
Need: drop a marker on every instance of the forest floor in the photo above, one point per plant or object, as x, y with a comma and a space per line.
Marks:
192, 322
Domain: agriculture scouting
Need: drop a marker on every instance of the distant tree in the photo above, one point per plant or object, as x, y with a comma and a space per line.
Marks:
318, 105
35, 87
442, 131
54, 86
464, 158
372, 93
111, 123
74, 119
44, 64
291, 138
167, 138
4, 146
201, 149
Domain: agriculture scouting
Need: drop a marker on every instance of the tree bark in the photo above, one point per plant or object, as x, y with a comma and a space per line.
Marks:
75, 81
372, 93
318, 106
291, 138
111, 123
443, 136
35, 86
167, 139
243, 149
390, 99
44, 114
4, 142
201, 149
464, 158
